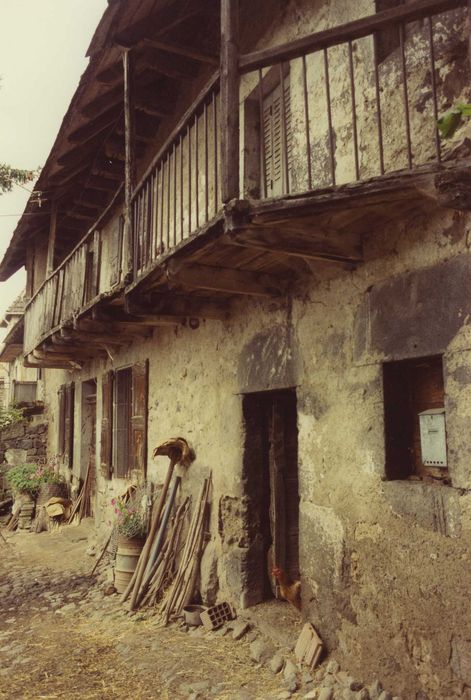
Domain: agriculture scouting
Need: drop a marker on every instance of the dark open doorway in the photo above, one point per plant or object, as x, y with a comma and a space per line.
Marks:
270, 474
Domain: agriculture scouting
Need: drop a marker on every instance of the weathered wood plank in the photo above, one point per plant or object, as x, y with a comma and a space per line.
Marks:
229, 100
226, 280
309, 246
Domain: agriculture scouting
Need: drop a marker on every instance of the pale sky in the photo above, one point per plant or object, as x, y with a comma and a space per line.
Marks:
42, 56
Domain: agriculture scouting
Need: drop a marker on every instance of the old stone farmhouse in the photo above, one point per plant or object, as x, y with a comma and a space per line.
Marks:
253, 235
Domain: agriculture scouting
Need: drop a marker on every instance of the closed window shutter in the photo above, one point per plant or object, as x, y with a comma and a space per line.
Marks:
61, 431
276, 169
138, 452
107, 425
69, 426
122, 422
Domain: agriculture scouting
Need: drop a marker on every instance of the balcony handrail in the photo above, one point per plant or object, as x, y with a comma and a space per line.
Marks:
350, 31
81, 242
181, 124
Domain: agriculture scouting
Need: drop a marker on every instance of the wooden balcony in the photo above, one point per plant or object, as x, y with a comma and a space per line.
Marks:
333, 137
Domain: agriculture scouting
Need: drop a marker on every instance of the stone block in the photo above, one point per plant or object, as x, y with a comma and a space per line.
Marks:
209, 582
15, 456
433, 508
461, 659
261, 651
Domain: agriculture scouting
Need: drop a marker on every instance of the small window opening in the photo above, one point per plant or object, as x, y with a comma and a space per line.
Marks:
414, 418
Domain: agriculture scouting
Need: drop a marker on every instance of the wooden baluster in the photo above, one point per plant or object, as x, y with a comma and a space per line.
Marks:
329, 117
229, 101
354, 110
129, 155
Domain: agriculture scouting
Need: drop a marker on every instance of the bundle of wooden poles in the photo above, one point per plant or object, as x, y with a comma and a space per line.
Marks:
157, 565
81, 507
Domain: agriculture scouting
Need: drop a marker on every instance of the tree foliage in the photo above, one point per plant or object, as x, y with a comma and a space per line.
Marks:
12, 176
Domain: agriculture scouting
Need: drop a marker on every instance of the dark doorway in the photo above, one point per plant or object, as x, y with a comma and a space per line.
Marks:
270, 476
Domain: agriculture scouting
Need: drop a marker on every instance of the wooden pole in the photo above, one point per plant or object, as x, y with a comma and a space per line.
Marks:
129, 156
52, 239
230, 99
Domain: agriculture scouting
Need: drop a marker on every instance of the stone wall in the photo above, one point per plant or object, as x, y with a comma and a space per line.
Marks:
29, 436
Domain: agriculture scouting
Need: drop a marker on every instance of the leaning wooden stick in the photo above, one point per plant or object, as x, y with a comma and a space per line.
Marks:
178, 451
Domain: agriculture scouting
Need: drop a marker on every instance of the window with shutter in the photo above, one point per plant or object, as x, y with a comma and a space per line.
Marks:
277, 141
107, 425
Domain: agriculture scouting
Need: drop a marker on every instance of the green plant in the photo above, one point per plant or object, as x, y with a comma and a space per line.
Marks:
130, 521
29, 477
23, 478
11, 415
450, 120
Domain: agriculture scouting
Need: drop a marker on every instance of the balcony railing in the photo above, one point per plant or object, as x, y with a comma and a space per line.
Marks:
76, 283
358, 100
180, 192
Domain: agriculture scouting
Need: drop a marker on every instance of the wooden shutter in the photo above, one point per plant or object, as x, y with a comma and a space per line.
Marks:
61, 431
107, 425
122, 407
69, 425
138, 452
276, 169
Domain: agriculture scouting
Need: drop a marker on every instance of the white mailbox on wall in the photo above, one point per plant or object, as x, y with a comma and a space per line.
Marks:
433, 437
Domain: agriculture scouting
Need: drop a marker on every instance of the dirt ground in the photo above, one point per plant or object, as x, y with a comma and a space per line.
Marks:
61, 637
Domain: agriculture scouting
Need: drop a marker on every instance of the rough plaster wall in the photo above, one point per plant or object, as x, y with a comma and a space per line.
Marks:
380, 561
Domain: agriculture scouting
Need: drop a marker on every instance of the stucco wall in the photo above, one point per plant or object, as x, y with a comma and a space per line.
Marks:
384, 564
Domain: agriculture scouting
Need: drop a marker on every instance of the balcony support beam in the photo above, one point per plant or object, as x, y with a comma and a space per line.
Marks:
129, 165
224, 280
230, 78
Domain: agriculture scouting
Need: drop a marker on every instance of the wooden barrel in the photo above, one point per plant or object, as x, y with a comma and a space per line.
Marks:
127, 556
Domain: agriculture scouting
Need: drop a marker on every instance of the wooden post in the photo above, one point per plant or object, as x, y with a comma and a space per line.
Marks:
129, 157
230, 151
52, 239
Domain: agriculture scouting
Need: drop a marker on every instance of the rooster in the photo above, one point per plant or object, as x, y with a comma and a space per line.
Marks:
289, 590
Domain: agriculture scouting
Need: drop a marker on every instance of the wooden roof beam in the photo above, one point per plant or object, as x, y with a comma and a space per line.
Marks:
120, 318
188, 306
35, 363
97, 327
162, 64
334, 248
141, 28
186, 51
97, 125
224, 280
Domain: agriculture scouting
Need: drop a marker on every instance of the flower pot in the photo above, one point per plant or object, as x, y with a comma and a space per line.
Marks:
127, 556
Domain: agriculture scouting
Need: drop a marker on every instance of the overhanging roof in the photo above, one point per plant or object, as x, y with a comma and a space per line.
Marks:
80, 150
